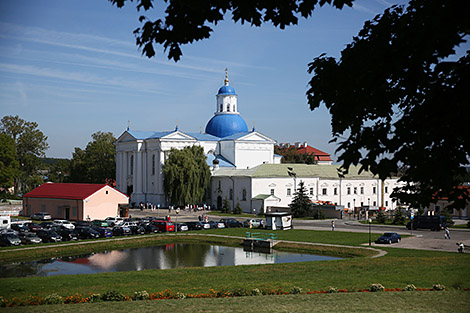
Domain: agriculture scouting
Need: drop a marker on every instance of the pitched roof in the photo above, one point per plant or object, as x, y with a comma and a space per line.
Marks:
319, 155
65, 191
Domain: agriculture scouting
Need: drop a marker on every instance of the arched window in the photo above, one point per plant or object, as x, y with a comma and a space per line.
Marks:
244, 194
221, 108
228, 107
234, 108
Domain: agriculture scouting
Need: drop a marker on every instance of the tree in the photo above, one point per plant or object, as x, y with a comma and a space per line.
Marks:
237, 209
226, 206
301, 204
397, 98
97, 163
186, 175
290, 155
398, 217
30, 144
380, 217
186, 23
9, 166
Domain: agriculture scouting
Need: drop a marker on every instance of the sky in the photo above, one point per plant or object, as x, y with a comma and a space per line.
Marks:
73, 68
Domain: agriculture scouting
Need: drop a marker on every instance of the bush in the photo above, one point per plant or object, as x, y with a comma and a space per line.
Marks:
237, 209
53, 299
376, 288
112, 295
256, 292
141, 295
380, 217
332, 290
179, 295
399, 217
94, 297
240, 292
438, 287
296, 290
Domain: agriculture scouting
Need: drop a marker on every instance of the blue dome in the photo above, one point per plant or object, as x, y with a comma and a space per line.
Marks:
223, 125
226, 90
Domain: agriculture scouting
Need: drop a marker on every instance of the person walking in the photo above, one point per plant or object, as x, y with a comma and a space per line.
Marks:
447, 233
332, 225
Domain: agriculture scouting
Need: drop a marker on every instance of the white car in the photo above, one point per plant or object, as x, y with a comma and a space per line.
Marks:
114, 220
64, 223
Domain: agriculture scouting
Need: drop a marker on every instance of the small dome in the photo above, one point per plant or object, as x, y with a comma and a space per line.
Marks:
223, 125
226, 90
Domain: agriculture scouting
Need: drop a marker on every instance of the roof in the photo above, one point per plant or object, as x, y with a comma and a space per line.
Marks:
226, 124
301, 171
142, 135
319, 155
66, 191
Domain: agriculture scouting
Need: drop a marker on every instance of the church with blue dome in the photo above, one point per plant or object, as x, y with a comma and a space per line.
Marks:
227, 143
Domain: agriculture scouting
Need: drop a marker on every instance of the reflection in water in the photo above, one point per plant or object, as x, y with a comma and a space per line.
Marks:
157, 257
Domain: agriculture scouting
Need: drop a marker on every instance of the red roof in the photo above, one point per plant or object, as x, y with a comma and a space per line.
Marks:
319, 155
64, 191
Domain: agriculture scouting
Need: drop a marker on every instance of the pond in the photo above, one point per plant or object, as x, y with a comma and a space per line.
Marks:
156, 257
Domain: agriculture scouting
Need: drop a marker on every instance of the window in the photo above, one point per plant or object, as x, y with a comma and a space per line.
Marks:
335, 191
221, 108
374, 190
132, 165
375, 203
386, 203
153, 164
244, 195
362, 190
349, 190
311, 191
219, 184
349, 204
231, 194
386, 189
288, 192
355, 190
74, 211
233, 108
272, 192
323, 191
106, 192
43, 208
362, 203
228, 107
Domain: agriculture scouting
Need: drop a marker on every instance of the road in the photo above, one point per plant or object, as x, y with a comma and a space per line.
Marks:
420, 239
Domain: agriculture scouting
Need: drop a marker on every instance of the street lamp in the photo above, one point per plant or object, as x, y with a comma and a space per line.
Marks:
370, 221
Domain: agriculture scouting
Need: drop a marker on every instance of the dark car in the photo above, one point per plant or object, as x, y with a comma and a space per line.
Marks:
121, 231
33, 226
215, 224
67, 234
194, 225
231, 222
41, 216
103, 231
150, 228
389, 238
29, 238
46, 225
85, 232
48, 235
19, 228
82, 223
9, 240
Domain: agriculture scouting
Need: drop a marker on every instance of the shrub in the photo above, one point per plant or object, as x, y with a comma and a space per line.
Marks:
410, 287
332, 290
112, 295
94, 297
256, 292
380, 217
141, 295
399, 217
237, 209
376, 288
296, 290
53, 299
240, 292
438, 287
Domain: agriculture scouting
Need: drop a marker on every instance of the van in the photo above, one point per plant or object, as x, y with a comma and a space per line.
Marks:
164, 226
5, 222
432, 222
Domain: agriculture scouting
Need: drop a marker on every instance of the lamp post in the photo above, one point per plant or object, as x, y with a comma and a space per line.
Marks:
354, 206
370, 221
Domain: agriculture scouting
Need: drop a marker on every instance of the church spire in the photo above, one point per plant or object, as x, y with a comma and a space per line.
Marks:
226, 77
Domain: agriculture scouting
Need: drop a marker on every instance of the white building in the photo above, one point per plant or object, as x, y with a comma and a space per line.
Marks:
244, 167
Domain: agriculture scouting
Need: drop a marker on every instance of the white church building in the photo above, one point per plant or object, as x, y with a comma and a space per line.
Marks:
245, 170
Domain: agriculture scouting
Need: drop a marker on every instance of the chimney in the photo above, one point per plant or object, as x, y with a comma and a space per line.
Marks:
305, 144
297, 145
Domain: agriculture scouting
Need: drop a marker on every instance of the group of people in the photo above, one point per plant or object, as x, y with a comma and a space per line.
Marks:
187, 208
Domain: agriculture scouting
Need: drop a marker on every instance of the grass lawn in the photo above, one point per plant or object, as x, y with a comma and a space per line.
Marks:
445, 301
395, 270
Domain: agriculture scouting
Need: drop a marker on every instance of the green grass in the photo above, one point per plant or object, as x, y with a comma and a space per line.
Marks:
428, 302
460, 226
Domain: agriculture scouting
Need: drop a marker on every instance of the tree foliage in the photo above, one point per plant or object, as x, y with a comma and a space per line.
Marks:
30, 144
97, 163
188, 21
186, 175
290, 155
9, 166
399, 101
301, 205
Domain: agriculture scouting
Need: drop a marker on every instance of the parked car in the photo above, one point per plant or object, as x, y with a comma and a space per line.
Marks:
29, 238
48, 235
9, 231
46, 225
231, 222
136, 228
103, 231
121, 231
101, 223
19, 228
389, 238
41, 216
164, 226
86, 232
32, 226
150, 228
216, 224
67, 234
254, 223
82, 223
194, 225
181, 227
64, 223
113, 221
9, 240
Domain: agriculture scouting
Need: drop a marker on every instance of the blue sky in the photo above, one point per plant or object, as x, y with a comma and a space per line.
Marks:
73, 67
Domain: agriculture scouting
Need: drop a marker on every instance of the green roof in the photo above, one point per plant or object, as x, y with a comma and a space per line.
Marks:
301, 171
261, 197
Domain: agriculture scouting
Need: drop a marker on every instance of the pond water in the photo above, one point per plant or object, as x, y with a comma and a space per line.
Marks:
156, 257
